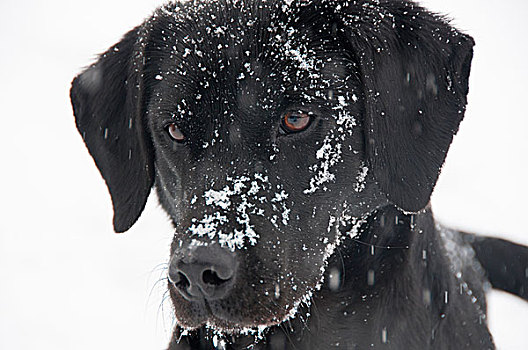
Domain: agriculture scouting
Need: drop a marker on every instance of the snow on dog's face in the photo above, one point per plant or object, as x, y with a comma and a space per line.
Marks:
270, 129
256, 118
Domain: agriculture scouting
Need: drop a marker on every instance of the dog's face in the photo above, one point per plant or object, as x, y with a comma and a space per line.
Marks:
269, 131
259, 149
249, 114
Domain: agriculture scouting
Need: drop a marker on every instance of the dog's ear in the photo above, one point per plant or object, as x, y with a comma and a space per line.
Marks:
415, 70
108, 108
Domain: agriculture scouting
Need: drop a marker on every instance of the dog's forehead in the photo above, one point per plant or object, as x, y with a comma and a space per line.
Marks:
256, 61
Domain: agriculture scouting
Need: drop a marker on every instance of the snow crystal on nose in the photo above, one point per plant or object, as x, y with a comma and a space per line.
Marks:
249, 202
208, 225
218, 198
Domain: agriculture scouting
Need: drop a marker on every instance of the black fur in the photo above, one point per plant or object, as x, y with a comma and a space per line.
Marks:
505, 263
385, 83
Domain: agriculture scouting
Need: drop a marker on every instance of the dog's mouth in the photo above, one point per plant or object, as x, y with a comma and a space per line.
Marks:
216, 294
228, 316
217, 329
219, 339
252, 309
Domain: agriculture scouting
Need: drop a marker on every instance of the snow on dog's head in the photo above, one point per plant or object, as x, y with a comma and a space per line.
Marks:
262, 126
271, 168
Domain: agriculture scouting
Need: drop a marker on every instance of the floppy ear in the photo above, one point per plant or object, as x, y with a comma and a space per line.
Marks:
108, 108
415, 70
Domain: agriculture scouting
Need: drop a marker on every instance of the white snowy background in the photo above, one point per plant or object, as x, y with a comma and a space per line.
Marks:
68, 282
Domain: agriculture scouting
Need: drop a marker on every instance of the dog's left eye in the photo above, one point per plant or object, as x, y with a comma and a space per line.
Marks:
293, 122
175, 133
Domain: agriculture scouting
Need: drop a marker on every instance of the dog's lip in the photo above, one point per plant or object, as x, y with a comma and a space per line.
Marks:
192, 298
209, 315
241, 340
223, 324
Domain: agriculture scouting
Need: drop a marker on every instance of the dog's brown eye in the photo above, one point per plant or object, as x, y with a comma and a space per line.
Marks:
295, 121
175, 133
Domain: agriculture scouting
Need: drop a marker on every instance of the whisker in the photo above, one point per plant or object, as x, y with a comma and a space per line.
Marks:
315, 311
288, 334
161, 266
161, 308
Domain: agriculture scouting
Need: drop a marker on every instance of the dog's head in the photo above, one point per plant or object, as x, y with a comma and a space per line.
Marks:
270, 129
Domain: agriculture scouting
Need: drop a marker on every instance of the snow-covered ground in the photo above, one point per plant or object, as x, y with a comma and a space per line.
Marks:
68, 282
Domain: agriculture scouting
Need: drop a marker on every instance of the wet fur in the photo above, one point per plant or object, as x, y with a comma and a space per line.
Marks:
403, 74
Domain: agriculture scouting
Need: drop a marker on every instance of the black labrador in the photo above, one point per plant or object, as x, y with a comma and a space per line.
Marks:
295, 146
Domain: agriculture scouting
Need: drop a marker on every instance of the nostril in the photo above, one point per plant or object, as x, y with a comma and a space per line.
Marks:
212, 278
179, 280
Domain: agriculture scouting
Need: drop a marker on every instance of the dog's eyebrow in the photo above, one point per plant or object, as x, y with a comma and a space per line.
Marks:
214, 87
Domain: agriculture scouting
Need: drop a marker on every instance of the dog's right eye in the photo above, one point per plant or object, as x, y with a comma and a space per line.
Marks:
293, 122
175, 133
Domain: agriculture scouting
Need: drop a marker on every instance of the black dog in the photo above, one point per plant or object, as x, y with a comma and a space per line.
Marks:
295, 146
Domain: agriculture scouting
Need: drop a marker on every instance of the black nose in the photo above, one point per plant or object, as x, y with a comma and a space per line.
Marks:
200, 272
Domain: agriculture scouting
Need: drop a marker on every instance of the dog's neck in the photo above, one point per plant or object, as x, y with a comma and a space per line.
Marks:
388, 285
393, 277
